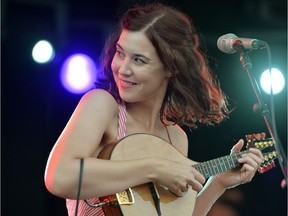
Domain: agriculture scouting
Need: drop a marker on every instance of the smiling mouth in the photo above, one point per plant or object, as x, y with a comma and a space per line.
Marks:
126, 83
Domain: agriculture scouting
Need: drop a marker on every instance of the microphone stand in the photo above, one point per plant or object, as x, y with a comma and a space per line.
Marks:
247, 65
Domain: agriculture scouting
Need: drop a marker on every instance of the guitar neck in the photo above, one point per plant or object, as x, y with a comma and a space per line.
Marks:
218, 165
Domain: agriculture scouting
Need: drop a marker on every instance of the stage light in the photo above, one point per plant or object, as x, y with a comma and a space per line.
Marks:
277, 81
43, 52
78, 73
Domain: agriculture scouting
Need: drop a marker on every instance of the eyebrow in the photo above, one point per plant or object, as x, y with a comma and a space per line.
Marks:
136, 54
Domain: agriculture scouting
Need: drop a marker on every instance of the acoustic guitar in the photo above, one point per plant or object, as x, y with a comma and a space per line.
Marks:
140, 200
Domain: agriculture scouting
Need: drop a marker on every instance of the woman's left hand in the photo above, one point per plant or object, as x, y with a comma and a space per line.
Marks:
249, 164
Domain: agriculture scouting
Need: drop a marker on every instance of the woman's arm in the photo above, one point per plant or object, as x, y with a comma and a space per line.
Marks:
217, 185
89, 127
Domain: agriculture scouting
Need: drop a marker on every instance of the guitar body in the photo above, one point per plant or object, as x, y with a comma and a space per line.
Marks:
141, 146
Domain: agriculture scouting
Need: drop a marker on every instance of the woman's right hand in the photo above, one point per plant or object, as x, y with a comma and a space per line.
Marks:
176, 177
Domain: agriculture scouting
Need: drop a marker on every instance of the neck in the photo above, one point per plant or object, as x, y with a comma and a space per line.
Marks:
147, 115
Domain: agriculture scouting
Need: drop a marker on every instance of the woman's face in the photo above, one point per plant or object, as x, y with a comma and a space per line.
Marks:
138, 72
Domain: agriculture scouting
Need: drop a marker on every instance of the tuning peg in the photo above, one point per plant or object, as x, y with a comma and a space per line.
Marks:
255, 136
266, 167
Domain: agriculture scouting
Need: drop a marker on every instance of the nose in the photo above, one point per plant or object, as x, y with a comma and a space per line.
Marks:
125, 67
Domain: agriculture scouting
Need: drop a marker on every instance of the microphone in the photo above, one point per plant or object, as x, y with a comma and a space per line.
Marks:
229, 43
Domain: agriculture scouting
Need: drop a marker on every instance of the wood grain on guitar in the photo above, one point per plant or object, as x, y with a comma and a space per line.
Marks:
139, 201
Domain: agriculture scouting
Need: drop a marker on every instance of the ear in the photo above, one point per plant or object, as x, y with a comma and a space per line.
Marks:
170, 74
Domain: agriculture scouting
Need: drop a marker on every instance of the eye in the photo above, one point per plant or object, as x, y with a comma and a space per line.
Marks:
139, 60
120, 53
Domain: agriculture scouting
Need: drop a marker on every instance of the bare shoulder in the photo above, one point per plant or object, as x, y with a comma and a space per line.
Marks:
94, 120
179, 139
98, 106
99, 97
99, 101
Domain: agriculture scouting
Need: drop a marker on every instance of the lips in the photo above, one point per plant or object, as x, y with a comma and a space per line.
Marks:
126, 84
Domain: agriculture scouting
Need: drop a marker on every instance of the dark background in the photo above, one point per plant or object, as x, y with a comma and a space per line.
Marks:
35, 107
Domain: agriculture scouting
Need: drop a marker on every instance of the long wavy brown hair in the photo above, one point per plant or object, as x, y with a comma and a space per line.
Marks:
193, 95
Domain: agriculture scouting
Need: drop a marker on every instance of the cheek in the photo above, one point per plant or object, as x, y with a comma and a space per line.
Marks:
114, 66
114, 70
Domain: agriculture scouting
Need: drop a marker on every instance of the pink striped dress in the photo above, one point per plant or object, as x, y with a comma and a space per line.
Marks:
83, 208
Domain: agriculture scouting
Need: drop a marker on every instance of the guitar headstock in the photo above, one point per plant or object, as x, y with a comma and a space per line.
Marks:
266, 145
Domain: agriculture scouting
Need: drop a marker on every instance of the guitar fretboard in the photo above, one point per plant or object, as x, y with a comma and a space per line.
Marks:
218, 165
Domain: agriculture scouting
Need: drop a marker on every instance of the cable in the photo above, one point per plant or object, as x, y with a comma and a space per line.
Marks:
278, 145
79, 185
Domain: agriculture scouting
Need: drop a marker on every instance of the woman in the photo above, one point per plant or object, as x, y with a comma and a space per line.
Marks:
155, 79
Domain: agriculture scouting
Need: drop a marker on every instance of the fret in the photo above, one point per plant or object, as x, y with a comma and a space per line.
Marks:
231, 161
234, 158
222, 164
228, 158
203, 168
206, 170
216, 170
221, 168
237, 155
211, 167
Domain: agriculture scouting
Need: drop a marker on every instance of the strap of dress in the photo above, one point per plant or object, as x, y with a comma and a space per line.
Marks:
83, 208
168, 133
122, 118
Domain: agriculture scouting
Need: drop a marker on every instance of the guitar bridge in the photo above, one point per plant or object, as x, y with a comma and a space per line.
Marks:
125, 197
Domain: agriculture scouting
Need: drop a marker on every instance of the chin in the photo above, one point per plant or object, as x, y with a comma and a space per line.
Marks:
127, 98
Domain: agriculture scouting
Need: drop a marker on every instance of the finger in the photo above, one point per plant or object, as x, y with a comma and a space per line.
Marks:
197, 176
252, 166
238, 146
184, 188
181, 192
176, 191
257, 152
248, 173
196, 181
250, 162
179, 189
197, 186
252, 159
